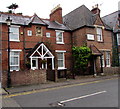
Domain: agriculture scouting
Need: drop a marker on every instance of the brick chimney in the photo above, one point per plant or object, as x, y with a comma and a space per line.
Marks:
95, 10
56, 14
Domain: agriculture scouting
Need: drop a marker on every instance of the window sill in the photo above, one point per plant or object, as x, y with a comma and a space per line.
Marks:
60, 43
14, 40
107, 66
62, 68
14, 70
90, 40
100, 41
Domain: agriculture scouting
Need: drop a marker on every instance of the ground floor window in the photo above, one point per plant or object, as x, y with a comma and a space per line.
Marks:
103, 63
14, 60
119, 58
61, 59
107, 59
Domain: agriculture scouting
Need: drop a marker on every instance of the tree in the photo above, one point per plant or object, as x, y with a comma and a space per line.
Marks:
81, 57
13, 7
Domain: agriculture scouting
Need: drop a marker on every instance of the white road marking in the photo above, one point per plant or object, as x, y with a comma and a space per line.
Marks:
83, 96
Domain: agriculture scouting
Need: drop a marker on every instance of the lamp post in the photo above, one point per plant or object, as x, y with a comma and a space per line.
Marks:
8, 21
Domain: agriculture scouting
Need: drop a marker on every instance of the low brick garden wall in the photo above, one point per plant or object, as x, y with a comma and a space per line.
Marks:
111, 70
25, 77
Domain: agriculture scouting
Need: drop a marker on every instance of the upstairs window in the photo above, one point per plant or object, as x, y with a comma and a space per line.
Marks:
90, 37
29, 33
118, 39
47, 34
14, 33
59, 37
99, 34
38, 31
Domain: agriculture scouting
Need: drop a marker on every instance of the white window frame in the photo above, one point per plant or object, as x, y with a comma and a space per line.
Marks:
61, 51
108, 58
90, 37
29, 32
99, 35
17, 34
103, 61
118, 38
62, 42
36, 60
18, 56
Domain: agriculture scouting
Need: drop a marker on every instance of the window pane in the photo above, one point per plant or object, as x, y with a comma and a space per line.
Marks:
60, 55
14, 36
14, 60
107, 58
118, 39
33, 63
14, 33
99, 34
60, 63
14, 67
59, 37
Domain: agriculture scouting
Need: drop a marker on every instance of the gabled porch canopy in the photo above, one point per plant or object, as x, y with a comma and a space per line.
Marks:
42, 52
95, 50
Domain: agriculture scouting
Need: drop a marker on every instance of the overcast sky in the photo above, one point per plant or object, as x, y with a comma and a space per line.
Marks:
43, 7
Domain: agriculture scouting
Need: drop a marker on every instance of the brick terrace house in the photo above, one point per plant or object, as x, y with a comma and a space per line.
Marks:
45, 45
38, 42
113, 20
89, 29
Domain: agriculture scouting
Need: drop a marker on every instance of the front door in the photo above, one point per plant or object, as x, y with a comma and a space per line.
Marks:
34, 64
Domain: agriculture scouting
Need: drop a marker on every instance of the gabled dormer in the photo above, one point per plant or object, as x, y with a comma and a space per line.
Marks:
37, 20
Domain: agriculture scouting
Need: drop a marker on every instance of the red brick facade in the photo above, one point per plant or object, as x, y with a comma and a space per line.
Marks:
77, 37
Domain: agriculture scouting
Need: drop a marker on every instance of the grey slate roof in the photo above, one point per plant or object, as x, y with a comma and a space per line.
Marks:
26, 20
80, 17
16, 19
111, 20
56, 25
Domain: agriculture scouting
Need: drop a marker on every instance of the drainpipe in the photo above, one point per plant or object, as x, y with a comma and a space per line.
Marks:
24, 45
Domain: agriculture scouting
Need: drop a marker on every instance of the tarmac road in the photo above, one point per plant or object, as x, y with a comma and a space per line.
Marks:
102, 93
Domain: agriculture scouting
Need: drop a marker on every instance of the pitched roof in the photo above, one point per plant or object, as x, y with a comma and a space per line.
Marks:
56, 25
36, 20
26, 20
111, 20
80, 17
16, 19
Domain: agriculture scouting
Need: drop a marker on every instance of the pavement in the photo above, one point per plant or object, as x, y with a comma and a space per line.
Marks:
9, 102
50, 84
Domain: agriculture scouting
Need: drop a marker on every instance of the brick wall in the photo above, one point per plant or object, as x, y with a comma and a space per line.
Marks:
111, 70
25, 77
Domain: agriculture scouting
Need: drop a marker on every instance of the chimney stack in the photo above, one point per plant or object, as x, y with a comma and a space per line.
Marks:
95, 10
56, 14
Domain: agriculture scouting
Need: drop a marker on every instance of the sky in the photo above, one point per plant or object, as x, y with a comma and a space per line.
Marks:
43, 7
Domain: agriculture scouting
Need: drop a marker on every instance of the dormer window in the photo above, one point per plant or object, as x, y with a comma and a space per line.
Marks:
99, 34
38, 31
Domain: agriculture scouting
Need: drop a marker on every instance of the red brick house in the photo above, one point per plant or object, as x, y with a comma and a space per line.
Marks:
113, 20
89, 29
45, 45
